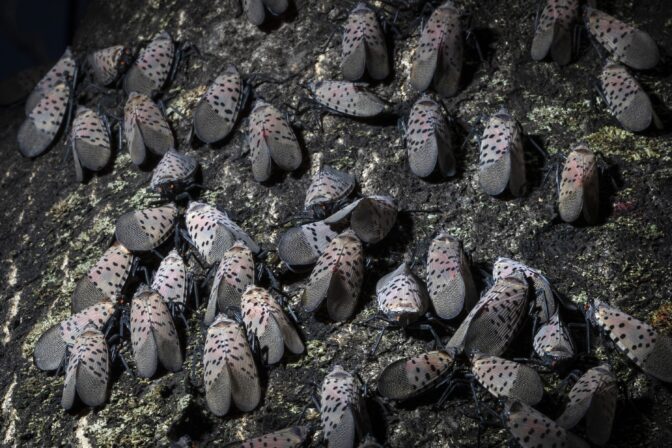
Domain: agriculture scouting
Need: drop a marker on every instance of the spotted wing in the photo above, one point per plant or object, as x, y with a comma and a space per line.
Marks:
451, 58
61, 72
554, 31
553, 340
300, 247
427, 140
338, 406
347, 98
337, 277
579, 189
156, 133
91, 140
40, 128
170, 280
329, 185
234, 274
287, 438
145, 230
426, 56
373, 218
151, 69
409, 377
174, 167
495, 166
626, 99
530, 428
104, 64
217, 112
504, 378
87, 374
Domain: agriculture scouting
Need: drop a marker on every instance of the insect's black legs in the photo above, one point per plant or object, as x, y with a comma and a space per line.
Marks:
374, 348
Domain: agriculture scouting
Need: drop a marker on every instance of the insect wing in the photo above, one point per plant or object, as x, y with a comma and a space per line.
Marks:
38, 131
408, 377
151, 69
217, 112
87, 374
145, 230
300, 247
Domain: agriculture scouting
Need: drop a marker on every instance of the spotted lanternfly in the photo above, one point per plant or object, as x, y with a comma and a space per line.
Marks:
90, 142
532, 429
341, 408
364, 47
626, 99
401, 296
38, 131
371, 217
337, 277
63, 72
347, 98
300, 247
145, 230
174, 174
429, 140
229, 368
256, 13
109, 63
502, 161
438, 58
504, 378
579, 186
328, 186
153, 335
150, 70
594, 397
545, 302
88, 371
145, 127
495, 320
105, 279
170, 279
450, 284
51, 347
552, 343
216, 113
293, 437
213, 232
554, 33
409, 377
271, 139
629, 45
651, 351
234, 274
265, 319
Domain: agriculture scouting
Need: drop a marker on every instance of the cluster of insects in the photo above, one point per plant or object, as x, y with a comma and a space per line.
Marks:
127, 298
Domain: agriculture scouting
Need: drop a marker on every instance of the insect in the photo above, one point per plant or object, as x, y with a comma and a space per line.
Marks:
153, 336
409, 377
633, 47
626, 99
347, 98
553, 343
255, 9
285, 438
337, 277
265, 320
545, 302
51, 347
40, 128
145, 128
328, 187
438, 59
371, 217
341, 408
504, 378
271, 139
212, 232
364, 47
579, 192
151, 69
532, 429
450, 284
229, 368
174, 175
217, 111
640, 342
502, 161
145, 230
594, 397
109, 63
171, 281
234, 274
496, 318
88, 371
300, 247
90, 139
429, 140
105, 279
553, 33
64, 71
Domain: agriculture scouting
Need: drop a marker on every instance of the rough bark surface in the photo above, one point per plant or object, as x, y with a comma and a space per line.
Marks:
54, 228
